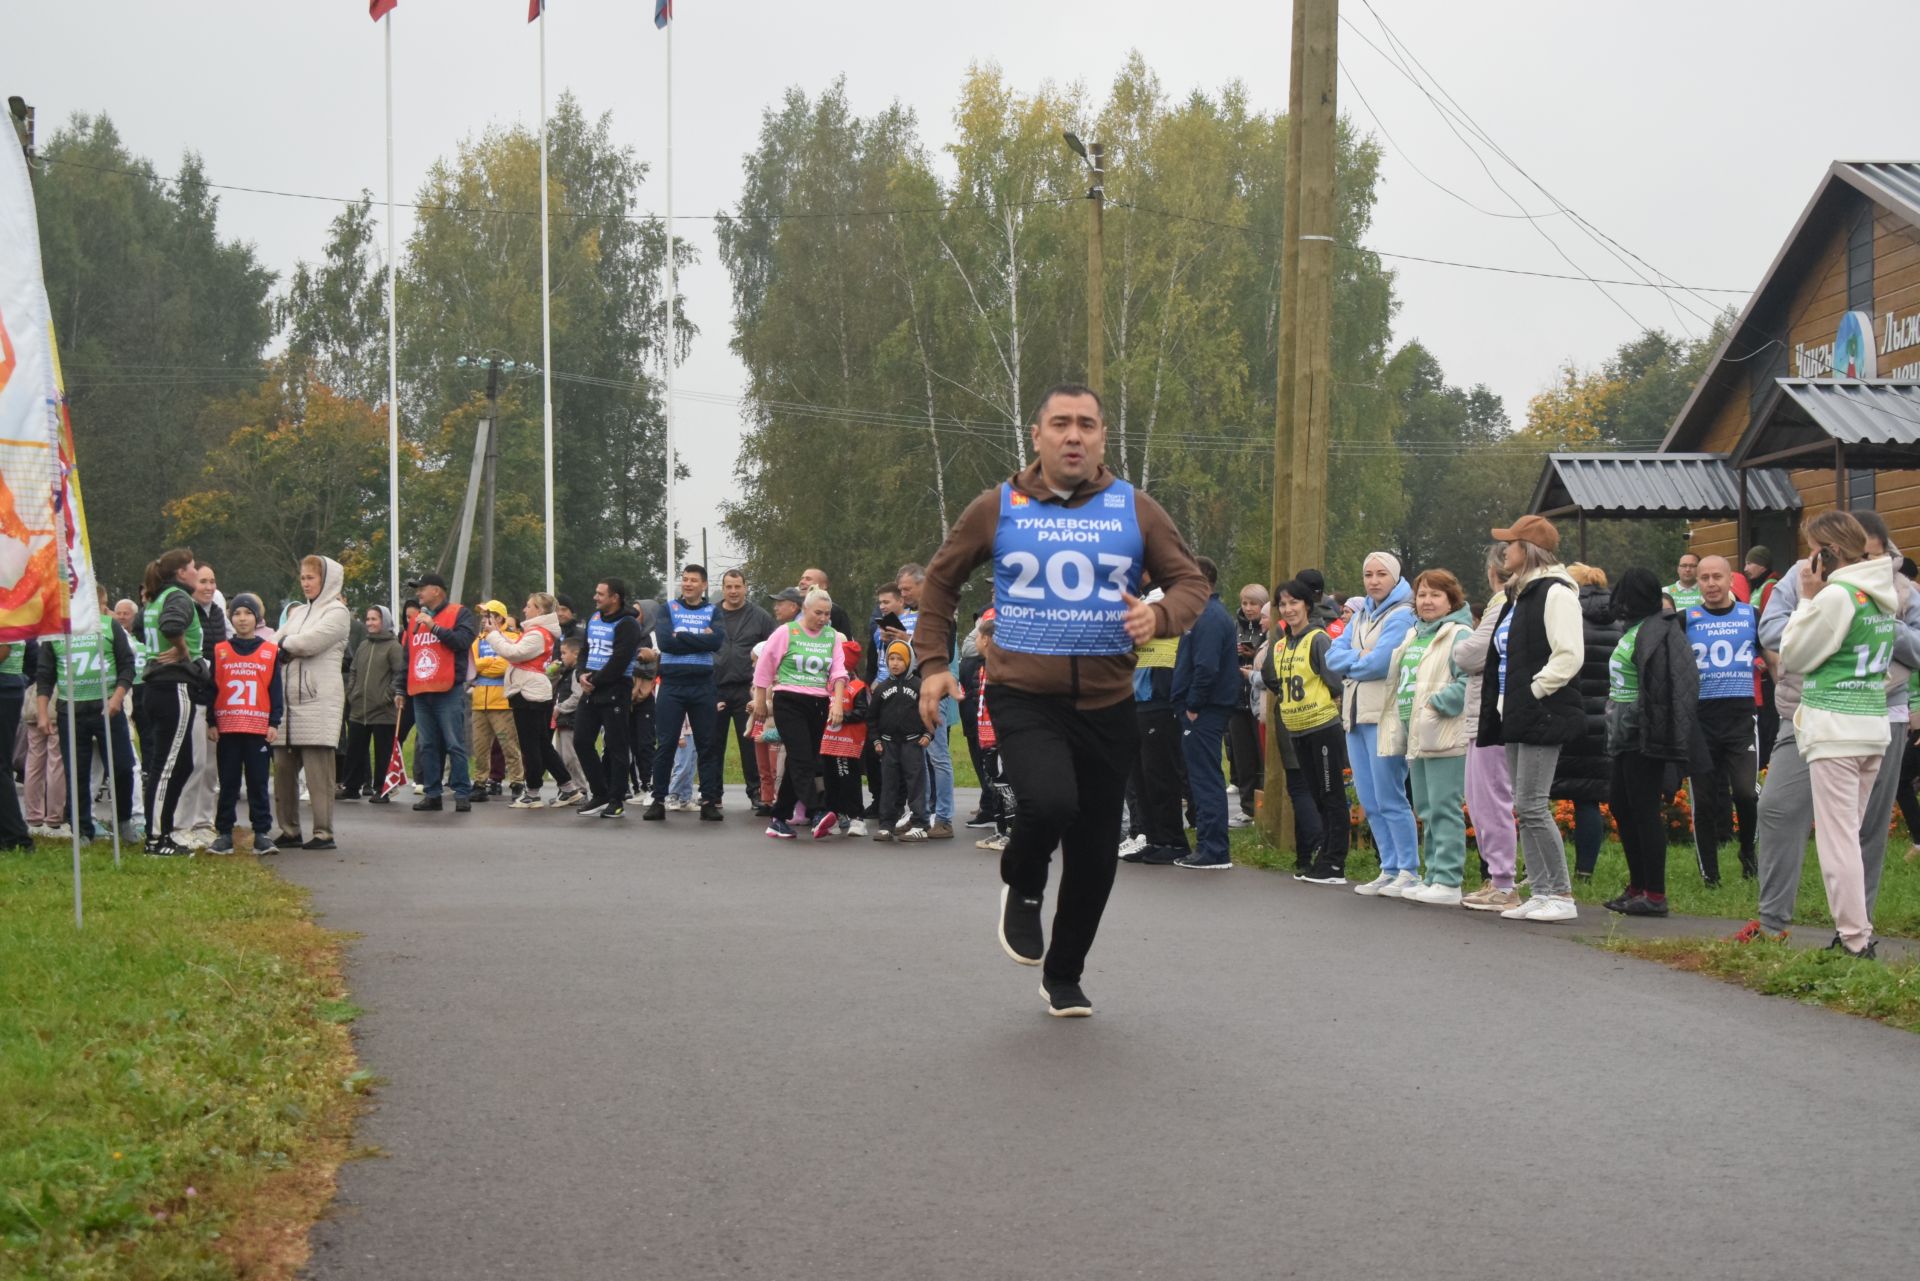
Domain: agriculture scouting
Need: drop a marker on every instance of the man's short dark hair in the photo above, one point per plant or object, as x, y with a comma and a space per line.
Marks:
616, 587
574, 642
695, 569
1068, 389
888, 589
738, 573
1211, 570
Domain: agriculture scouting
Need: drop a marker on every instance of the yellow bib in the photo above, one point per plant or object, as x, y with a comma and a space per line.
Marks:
1157, 653
1305, 701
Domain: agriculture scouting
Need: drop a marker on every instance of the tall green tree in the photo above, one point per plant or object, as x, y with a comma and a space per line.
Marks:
156, 316
471, 286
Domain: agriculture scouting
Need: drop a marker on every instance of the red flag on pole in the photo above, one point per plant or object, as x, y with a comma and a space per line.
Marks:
535, 8
396, 770
378, 9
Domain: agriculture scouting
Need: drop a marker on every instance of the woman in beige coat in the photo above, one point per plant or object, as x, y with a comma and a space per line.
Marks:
313, 643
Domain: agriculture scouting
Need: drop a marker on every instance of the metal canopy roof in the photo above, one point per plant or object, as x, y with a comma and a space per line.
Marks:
1694, 485
1804, 418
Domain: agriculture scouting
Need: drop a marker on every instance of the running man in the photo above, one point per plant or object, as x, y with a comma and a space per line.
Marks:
1069, 541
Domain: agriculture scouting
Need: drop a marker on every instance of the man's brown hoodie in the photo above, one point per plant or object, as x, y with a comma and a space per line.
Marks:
1092, 682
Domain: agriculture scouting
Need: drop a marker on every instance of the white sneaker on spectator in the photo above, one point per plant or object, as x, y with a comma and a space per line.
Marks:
1129, 845
1372, 888
1554, 907
1232, 790
1438, 895
1524, 910
1239, 818
857, 828
1399, 885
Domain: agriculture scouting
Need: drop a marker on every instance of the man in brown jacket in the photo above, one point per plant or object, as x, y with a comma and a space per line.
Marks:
1068, 540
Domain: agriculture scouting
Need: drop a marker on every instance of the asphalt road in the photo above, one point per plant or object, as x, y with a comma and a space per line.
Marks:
616, 1049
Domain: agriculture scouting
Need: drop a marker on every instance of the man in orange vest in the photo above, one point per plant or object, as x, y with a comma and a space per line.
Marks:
435, 678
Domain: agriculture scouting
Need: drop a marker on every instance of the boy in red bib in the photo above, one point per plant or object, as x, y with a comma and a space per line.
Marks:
247, 703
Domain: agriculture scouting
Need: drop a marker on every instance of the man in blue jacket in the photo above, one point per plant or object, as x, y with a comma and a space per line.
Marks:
685, 642
1206, 687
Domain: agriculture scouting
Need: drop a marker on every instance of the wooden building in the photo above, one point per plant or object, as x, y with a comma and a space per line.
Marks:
1812, 401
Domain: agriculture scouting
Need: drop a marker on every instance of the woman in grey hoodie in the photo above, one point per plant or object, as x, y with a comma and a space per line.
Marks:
370, 712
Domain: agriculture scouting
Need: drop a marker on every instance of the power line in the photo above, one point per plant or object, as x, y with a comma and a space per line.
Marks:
1384, 253
149, 176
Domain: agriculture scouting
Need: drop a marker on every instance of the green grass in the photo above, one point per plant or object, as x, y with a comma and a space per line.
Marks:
175, 1079
1897, 912
1886, 991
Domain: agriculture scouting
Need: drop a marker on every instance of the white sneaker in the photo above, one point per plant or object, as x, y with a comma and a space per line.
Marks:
1129, 845
912, 834
1399, 885
59, 832
526, 801
857, 828
1525, 910
1239, 819
1372, 888
1232, 790
1438, 895
1554, 907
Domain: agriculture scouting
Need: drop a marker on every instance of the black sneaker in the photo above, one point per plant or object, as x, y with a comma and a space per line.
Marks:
166, 847
614, 811
1643, 905
222, 844
1324, 874
493, 789
462, 805
427, 803
479, 796
264, 845
382, 799
711, 813
590, 807
779, 829
763, 811
1871, 952
656, 813
320, 843
1618, 903
344, 795
980, 818
1301, 871
883, 833
1161, 855
1020, 933
1065, 1000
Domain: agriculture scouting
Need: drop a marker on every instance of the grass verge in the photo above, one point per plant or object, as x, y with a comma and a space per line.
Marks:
1885, 991
1897, 912
177, 1078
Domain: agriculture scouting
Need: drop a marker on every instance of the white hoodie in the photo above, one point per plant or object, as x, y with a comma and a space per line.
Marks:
1816, 629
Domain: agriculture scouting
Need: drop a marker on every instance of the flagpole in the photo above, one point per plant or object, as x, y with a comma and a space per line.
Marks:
673, 335
73, 775
546, 302
393, 365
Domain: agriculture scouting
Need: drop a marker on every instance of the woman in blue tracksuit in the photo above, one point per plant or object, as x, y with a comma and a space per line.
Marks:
1362, 656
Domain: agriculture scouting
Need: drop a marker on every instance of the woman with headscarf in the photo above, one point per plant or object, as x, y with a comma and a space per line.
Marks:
1653, 692
1362, 657
312, 641
1532, 706
1489, 789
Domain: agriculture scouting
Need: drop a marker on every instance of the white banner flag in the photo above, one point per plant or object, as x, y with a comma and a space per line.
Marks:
45, 562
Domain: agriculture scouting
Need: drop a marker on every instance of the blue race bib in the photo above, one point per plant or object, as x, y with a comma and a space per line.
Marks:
1058, 573
1723, 649
687, 618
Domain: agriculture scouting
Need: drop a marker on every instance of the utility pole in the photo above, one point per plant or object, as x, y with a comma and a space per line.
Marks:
1095, 154
22, 126
1313, 335
488, 474
1296, 482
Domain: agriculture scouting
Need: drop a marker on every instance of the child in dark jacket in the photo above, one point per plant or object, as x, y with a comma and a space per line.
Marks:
902, 746
248, 702
841, 749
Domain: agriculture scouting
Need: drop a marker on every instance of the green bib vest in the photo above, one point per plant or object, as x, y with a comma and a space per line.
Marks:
15, 663
1623, 676
1410, 658
156, 644
86, 674
1853, 682
809, 659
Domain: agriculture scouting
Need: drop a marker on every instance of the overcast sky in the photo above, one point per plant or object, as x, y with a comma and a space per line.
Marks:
1692, 133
